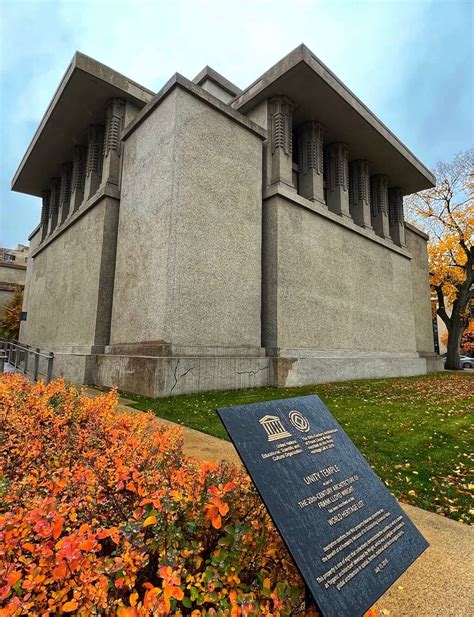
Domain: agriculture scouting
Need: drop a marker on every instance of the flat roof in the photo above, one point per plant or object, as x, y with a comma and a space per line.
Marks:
319, 95
178, 81
78, 102
209, 73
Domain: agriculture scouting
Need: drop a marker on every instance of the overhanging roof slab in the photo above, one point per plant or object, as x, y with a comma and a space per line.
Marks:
319, 95
78, 102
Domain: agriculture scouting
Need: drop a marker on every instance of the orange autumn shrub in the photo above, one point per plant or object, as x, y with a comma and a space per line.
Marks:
101, 513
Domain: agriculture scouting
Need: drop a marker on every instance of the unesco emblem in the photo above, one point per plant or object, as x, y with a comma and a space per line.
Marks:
299, 421
274, 428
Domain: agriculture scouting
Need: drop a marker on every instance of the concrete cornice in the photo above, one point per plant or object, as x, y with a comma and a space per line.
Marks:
9, 286
107, 190
97, 77
417, 231
209, 73
280, 190
8, 264
304, 56
179, 81
34, 232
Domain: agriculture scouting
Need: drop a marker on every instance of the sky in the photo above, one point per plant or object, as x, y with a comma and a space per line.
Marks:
410, 61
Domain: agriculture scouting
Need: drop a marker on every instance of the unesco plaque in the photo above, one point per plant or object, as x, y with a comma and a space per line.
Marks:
348, 536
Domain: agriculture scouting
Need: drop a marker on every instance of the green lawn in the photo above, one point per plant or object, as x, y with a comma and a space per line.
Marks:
416, 432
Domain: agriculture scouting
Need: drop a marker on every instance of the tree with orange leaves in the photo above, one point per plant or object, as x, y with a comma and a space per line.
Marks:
447, 213
10, 318
467, 340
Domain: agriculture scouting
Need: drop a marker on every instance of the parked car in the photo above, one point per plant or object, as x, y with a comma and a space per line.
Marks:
464, 362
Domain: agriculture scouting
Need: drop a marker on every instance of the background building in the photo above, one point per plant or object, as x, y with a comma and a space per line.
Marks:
12, 271
207, 237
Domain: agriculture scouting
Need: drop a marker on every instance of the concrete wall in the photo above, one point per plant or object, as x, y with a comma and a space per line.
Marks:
332, 289
10, 275
188, 266
5, 296
336, 304
165, 376
35, 240
417, 246
69, 290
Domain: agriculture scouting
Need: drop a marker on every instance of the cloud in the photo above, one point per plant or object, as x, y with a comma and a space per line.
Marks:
396, 56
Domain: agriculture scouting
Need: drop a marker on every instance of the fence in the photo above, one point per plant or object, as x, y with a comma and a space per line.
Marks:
30, 361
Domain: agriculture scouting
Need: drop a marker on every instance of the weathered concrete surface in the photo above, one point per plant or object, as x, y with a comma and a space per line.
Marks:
416, 244
69, 292
305, 368
189, 245
185, 303
438, 584
11, 275
327, 288
162, 376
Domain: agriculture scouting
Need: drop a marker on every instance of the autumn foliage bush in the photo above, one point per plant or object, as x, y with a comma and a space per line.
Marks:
101, 513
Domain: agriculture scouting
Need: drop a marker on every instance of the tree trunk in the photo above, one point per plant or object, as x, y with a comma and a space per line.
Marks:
457, 323
454, 339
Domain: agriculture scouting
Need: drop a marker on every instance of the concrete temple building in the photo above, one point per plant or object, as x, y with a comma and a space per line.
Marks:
208, 237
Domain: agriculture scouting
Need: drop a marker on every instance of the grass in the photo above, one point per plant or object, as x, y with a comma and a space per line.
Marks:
416, 432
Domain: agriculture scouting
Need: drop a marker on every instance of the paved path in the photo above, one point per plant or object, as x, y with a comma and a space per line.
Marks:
439, 584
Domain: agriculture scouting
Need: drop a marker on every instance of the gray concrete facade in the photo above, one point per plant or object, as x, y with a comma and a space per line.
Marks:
207, 237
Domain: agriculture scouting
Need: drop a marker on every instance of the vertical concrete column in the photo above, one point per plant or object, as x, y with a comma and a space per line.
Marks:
115, 112
336, 166
54, 204
359, 192
379, 204
65, 192
281, 140
94, 162
46, 198
395, 216
78, 177
310, 161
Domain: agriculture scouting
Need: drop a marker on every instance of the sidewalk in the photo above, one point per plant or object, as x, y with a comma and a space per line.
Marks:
439, 584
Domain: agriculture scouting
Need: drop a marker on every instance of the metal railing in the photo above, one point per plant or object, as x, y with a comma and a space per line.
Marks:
31, 361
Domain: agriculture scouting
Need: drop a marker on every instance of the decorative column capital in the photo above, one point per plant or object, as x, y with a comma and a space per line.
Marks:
379, 194
359, 192
55, 187
78, 168
94, 148
281, 110
310, 147
395, 205
359, 187
396, 218
379, 204
46, 198
66, 174
54, 204
65, 191
310, 161
95, 145
114, 116
337, 168
279, 147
